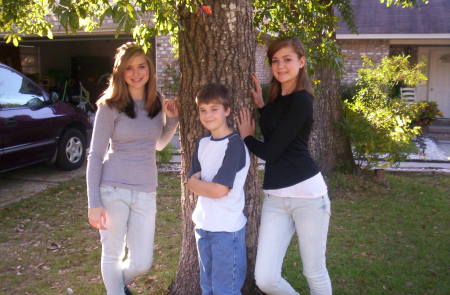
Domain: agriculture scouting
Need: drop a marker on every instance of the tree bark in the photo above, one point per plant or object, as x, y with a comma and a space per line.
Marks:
217, 47
328, 144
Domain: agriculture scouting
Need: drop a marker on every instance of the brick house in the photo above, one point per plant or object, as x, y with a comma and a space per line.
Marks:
422, 32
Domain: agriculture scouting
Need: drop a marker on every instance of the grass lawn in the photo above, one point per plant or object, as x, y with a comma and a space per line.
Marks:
391, 239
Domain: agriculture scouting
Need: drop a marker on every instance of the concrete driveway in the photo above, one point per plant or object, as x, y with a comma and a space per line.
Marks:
23, 183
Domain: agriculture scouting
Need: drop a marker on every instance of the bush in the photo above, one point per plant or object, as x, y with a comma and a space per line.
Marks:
164, 156
348, 92
426, 113
379, 125
389, 139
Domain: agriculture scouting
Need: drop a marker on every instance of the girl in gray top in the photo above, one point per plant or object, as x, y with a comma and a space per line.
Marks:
132, 122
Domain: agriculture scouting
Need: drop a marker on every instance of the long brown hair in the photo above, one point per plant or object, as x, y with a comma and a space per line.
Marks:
303, 81
117, 95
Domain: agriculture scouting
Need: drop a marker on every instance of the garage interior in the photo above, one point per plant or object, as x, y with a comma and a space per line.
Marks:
62, 63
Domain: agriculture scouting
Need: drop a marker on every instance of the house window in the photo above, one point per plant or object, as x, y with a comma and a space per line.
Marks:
445, 58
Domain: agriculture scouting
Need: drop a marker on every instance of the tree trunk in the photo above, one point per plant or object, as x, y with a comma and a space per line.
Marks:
214, 48
328, 144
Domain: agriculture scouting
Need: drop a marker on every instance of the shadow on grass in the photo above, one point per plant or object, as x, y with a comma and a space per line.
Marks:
390, 239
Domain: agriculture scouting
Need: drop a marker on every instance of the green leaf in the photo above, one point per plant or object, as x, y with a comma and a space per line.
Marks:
65, 3
49, 34
82, 12
130, 9
116, 14
64, 21
108, 12
74, 21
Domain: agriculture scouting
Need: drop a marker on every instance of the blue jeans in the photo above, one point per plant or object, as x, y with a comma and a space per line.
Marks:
281, 217
223, 261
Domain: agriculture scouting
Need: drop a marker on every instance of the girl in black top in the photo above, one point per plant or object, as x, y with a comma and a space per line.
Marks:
296, 198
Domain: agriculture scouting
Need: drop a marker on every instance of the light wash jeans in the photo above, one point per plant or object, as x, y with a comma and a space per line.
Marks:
223, 261
280, 218
130, 222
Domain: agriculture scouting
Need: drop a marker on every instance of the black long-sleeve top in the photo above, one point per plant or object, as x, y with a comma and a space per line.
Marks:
286, 125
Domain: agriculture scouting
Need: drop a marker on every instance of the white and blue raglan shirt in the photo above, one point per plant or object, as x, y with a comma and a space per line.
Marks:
225, 161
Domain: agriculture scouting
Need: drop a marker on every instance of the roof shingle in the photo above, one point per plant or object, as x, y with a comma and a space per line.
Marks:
373, 17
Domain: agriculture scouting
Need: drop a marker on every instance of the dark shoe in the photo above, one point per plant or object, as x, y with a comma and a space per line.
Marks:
127, 291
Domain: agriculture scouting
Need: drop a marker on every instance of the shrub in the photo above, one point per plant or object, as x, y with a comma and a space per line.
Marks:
348, 91
426, 113
164, 156
379, 125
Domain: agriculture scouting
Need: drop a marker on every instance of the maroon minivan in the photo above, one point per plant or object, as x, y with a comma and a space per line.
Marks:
37, 127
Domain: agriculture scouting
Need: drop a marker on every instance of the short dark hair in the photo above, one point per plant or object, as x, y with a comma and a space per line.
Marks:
213, 92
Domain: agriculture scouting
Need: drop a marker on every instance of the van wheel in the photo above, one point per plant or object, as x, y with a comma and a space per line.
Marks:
71, 150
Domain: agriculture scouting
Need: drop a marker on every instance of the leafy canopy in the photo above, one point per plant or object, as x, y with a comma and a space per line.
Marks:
312, 20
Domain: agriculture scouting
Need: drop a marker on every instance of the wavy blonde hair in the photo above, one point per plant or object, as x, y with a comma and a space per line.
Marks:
303, 81
117, 95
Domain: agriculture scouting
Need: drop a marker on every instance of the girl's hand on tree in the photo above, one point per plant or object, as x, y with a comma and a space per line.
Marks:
170, 108
257, 92
97, 217
245, 123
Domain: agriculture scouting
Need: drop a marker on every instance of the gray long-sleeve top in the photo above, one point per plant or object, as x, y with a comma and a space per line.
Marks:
130, 161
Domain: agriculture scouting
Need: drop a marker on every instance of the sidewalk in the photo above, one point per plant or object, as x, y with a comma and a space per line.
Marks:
24, 183
410, 166
425, 167
433, 157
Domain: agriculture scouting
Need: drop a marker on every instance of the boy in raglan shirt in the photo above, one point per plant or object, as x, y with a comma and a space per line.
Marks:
219, 168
